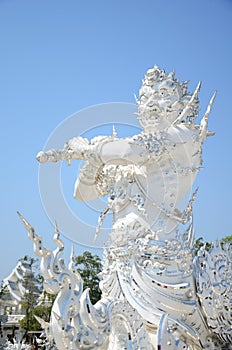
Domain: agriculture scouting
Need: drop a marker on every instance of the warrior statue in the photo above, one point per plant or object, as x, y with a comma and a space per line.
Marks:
155, 294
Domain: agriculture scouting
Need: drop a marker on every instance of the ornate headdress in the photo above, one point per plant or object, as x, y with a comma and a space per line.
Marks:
156, 75
188, 103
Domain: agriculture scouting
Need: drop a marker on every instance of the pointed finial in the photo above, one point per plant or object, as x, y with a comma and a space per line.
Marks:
194, 195
204, 121
28, 227
114, 133
196, 92
207, 113
56, 231
56, 228
72, 254
191, 101
184, 87
100, 222
136, 99
56, 237
171, 75
71, 265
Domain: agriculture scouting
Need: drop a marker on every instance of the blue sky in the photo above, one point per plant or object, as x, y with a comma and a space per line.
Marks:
59, 57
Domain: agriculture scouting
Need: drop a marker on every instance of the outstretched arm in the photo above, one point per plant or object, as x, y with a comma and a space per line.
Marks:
106, 150
109, 151
73, 149
98, 152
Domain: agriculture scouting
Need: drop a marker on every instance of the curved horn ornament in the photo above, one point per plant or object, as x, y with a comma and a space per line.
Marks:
75, 322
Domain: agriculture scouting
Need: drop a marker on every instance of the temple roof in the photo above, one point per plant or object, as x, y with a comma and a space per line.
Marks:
19, 281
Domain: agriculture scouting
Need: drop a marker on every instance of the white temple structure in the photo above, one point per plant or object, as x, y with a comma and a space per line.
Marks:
155, 294
13, 297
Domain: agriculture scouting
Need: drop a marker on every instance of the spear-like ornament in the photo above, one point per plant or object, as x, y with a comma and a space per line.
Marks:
204, 121
182, 116
136, 100
39, 249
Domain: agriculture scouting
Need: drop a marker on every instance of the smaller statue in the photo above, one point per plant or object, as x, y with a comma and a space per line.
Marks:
154, 294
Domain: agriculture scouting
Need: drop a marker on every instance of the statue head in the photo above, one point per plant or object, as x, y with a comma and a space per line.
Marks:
162, 100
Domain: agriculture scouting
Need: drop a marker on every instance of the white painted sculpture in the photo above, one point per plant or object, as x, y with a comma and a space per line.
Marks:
155, 295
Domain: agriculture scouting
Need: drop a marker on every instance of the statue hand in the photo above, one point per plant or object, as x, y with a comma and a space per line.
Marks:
42, 157
52, 155
76, 148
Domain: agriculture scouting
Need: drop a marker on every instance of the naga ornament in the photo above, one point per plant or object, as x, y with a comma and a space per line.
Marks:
155, 294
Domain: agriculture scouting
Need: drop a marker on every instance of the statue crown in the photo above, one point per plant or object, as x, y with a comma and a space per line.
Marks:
156, 75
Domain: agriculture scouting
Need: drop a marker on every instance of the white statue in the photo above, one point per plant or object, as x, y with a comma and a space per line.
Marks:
154, 296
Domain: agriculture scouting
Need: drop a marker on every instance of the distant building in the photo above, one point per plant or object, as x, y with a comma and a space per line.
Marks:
16, 286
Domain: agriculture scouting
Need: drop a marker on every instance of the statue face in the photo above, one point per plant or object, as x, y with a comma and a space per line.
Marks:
159, 105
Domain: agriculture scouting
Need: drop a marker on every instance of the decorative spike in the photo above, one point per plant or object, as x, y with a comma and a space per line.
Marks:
71, 265
114, 133
185, 110
29, 228
184, 87
207, 113
72, 254
171, 75
136, 99
196, 92
56, 228
210, 133
100, 222
190, 233
204, 121
56, 237
188, 210
39, 249
90, 316
192, 200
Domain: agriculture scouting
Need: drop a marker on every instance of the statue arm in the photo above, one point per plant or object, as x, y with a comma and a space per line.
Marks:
73, 149
97, 152
120, 152
108, 150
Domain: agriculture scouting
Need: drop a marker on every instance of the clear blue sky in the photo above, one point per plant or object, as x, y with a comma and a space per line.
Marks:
58, 57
